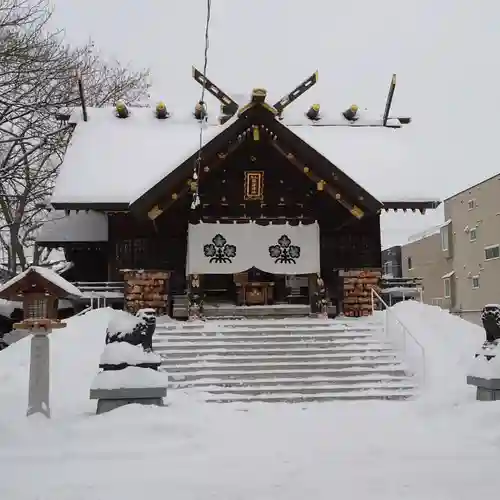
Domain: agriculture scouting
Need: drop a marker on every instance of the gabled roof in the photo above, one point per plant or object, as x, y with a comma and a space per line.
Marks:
113, 163
59, 285
110, 161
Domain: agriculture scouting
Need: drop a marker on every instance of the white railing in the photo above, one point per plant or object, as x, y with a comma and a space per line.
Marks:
401, 337
100, 286
98, 292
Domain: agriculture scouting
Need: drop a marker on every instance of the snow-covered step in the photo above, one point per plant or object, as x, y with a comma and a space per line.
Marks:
211, 345
294, 361
264, 331
308, 389
376, 378
284, 365
267, 338
283, 357
347, 371
298, 397
348, 350
256, 325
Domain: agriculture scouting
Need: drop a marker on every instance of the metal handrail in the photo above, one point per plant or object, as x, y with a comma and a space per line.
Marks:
84, 311
406, 330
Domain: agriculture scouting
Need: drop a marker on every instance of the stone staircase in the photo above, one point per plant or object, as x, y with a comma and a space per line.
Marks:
281, 361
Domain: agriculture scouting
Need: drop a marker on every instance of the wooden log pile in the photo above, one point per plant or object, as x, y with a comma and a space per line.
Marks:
147, 289
357, 285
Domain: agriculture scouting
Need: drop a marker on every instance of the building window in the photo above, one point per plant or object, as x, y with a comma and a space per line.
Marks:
444, 238
388, 267
410, 263
475, 282
447, 288
471, 204
492, 252
473, 234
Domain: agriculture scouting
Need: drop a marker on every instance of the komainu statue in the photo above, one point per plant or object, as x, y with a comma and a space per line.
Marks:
135, 330
490, 316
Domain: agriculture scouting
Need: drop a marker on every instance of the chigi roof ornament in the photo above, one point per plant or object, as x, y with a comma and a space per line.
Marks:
229, 107
349, 117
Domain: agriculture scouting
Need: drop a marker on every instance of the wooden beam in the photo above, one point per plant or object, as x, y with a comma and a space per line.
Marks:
333, 192
158, 209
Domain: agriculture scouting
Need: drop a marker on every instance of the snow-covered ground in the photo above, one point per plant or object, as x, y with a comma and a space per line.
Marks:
443, 446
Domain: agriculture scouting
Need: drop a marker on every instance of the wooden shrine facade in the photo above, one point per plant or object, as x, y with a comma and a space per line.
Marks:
256, 170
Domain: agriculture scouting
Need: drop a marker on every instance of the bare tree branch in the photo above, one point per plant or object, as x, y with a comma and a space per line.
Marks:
38, 79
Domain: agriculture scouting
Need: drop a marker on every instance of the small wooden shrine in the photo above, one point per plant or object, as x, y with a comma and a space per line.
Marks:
39, 289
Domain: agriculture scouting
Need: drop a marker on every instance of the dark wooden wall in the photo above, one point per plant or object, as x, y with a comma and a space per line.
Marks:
346, 243
90, 261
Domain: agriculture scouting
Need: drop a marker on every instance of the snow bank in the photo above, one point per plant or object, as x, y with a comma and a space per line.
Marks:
487, 364
75, 352
131, 377
400, 450
123, 352
450, 344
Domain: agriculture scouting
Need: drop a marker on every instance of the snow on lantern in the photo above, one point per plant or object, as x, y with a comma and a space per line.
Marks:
39, 289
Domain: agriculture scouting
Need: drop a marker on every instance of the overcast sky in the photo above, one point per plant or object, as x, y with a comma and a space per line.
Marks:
443, 51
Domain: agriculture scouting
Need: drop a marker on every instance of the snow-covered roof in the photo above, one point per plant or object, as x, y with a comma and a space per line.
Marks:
377, 158
112, 160
77, 227
51, 276
123, 158
428, 232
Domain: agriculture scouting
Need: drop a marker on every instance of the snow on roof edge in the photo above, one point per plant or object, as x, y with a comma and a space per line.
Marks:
427, 232
49, 275
76, 227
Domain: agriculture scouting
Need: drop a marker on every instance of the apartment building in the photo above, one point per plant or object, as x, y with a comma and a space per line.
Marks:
391, 262
459, 261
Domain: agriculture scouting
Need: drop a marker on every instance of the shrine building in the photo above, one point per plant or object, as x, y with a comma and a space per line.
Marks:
273, 207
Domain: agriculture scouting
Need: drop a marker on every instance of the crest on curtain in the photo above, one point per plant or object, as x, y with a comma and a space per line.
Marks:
284, 252
219, 251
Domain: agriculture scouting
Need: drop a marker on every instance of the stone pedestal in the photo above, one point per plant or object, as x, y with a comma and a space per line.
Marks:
39, 382
110, 399
488, 389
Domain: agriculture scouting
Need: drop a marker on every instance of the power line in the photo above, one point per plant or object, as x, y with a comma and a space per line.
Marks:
196, 173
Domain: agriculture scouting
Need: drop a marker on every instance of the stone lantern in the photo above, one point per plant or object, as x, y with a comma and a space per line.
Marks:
39, 289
